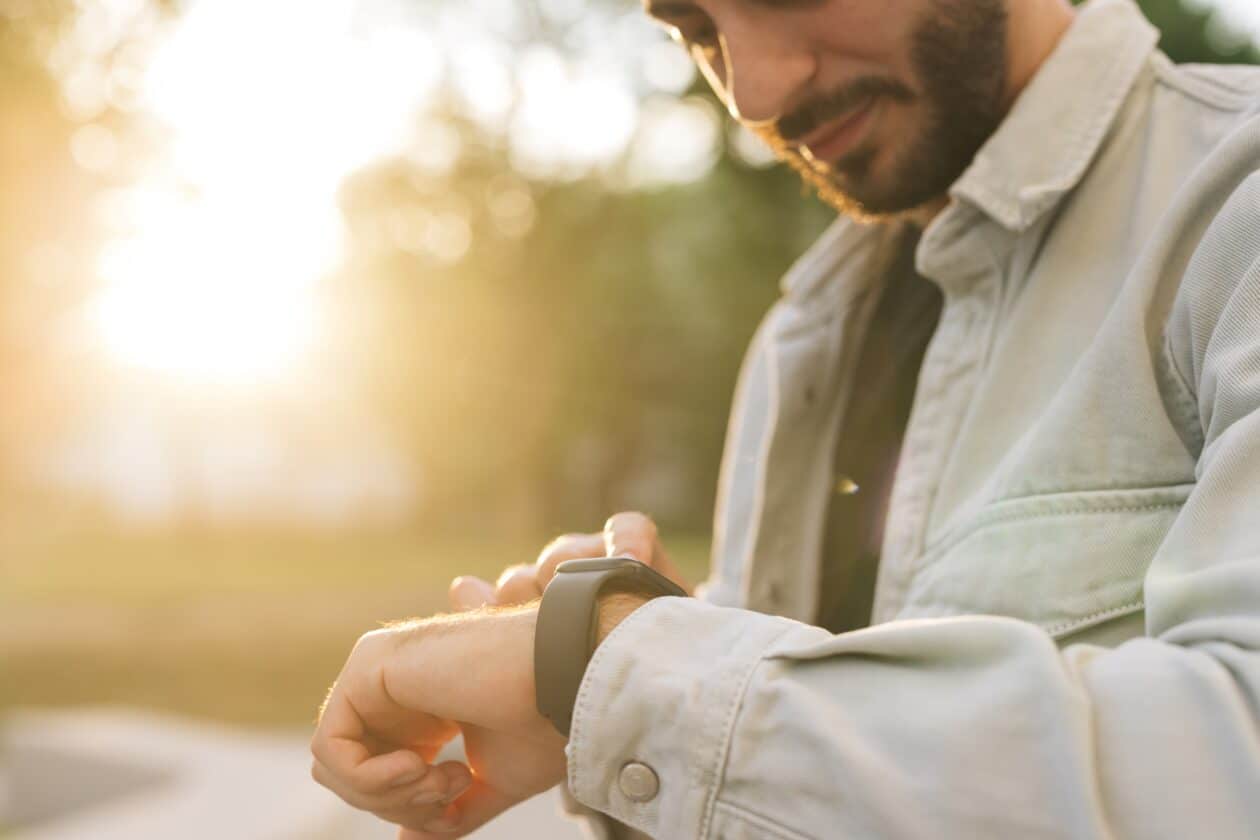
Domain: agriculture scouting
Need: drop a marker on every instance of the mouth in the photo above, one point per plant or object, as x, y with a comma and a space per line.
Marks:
830, 142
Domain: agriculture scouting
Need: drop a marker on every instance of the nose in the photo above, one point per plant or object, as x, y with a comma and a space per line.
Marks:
765, 67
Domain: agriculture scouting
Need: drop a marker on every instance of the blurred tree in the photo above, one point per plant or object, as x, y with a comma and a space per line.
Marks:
42, 210
54, 164
1197, 34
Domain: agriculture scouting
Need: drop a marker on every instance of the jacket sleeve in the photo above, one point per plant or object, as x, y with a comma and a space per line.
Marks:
975, 726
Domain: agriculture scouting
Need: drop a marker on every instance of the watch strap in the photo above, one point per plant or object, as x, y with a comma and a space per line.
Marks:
568, 623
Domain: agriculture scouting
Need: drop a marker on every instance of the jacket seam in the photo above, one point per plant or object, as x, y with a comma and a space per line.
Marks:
761, 822
1064, 495
758, 350
936, 551
728, 735
1186, 397
765, 444
1065, 627
1182, 379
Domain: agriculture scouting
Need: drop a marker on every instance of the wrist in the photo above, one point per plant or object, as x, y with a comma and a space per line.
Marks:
614, 608
583, 604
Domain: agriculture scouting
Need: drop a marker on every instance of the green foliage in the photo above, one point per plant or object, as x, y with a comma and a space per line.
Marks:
1191, 35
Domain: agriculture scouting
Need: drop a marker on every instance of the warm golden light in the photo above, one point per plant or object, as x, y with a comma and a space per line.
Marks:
217, 253
217, 317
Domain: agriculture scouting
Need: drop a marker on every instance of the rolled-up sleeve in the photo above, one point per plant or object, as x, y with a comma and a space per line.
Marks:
976, 726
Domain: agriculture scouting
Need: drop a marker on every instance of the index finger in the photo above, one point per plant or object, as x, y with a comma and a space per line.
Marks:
631, 533
568, 547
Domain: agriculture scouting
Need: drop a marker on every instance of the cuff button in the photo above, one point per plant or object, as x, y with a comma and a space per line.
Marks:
638, 781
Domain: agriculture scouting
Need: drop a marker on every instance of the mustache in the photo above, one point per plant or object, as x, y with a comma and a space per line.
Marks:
808, 117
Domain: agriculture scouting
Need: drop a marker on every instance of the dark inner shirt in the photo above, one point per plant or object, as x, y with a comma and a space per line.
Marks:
869, 443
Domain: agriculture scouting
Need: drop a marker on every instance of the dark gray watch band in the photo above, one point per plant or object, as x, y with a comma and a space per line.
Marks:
568, 621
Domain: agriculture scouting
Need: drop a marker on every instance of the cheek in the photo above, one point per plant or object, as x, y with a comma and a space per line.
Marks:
857, 38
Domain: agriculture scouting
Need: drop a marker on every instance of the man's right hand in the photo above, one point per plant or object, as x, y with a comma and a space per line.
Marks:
626, 534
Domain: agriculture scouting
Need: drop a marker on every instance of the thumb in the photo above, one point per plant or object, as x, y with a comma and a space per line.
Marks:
469, 593
473, 809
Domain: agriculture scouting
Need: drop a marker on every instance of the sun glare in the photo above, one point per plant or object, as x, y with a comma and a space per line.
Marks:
213, 268
216, 253
170, 306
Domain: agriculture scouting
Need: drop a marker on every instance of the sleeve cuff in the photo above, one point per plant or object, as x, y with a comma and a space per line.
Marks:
663, 692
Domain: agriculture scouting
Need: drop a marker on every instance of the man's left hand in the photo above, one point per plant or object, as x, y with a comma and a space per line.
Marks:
407, 690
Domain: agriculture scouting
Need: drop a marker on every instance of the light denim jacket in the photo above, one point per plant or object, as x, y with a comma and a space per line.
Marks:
1067, 617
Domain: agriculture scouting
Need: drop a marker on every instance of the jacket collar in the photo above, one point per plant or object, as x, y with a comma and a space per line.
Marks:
1039, 153
1057, 125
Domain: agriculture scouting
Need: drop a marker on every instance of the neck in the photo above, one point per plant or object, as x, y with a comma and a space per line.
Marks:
1034, 29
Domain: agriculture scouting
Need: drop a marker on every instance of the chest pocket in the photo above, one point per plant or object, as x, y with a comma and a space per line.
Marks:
1063, 561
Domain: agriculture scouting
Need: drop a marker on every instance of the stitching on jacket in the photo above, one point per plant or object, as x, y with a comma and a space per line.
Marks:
756, 513
763, 824
1184, 397
939, 549
1087, 140
732, 456
1065, 627
728, 734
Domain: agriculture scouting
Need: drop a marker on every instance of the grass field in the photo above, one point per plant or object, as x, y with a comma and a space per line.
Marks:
244, 627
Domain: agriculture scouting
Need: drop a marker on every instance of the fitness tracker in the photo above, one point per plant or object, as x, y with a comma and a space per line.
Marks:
568, 623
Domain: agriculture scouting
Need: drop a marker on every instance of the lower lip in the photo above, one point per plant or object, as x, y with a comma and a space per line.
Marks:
844, 138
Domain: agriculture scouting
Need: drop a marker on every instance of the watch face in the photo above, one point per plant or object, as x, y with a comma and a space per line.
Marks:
596, 564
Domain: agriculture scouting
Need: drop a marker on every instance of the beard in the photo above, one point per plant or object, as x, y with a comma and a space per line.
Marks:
959, 56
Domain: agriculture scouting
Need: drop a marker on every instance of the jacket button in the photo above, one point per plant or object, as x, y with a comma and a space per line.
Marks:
638, 782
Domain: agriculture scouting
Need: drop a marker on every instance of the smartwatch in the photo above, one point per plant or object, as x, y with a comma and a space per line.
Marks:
568, 623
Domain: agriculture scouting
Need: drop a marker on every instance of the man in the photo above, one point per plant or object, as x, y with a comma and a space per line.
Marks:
1064, 591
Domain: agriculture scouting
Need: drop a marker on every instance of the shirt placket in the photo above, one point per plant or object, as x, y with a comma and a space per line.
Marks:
954, 254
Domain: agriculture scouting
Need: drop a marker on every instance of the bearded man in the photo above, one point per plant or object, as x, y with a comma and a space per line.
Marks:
987, 551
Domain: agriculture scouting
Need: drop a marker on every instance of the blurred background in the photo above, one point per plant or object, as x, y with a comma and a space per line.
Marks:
307, 308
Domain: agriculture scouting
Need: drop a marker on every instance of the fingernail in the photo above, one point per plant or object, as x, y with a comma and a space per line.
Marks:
407, 779
428, 798
459, 788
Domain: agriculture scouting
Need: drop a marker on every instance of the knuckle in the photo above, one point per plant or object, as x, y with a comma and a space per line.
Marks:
458, 587
371, 645
517, 589
550, 552
368, 640
317, 753
513, 574
559, 547
574, 547
362, 645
